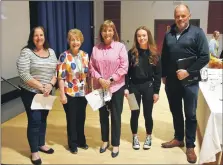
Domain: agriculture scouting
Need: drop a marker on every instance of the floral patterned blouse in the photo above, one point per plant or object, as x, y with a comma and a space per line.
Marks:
73, 69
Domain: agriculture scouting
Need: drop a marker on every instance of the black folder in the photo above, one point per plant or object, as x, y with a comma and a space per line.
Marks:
185, 63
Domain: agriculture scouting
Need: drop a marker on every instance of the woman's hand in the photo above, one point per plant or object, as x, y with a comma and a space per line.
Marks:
104, 83
63, 98
47, 89
41, 88
126, 92
89, 89
155, 98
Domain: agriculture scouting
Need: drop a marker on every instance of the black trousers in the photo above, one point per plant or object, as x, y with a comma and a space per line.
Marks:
36, 129
175, 93
144, 92
116, 110
75, 110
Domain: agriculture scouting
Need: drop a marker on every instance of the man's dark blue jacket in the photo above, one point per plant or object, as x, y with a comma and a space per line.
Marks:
192, 42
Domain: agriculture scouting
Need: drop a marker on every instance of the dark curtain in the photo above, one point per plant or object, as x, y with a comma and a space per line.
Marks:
59, 17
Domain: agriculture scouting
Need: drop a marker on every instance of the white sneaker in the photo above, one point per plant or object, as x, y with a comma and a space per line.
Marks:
135, 143
148, 143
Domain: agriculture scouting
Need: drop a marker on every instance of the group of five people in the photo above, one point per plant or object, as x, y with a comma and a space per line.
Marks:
111, 67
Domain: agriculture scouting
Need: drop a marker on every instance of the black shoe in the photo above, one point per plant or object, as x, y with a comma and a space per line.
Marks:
74, 150
114, 154
102, 150
50, 151
36, 162
85, 146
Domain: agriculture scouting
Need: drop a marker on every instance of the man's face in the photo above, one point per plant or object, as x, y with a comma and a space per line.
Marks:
182, 17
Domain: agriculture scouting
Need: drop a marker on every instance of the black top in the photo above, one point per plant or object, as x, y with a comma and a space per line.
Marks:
221, 56
143, 71
192, 42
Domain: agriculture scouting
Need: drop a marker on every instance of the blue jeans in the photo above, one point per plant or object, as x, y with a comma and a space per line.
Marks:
36, 129
189, 94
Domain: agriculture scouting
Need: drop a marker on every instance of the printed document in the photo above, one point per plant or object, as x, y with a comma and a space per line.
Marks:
41, 102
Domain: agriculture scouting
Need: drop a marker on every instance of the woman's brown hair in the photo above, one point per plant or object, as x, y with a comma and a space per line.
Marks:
30, 43
154, 55
108, 23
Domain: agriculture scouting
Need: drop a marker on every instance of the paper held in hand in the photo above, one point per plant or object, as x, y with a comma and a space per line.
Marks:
41, 102
107, 95
133, 105
97, 98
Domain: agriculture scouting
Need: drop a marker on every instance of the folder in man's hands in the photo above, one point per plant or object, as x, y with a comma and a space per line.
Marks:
185, 63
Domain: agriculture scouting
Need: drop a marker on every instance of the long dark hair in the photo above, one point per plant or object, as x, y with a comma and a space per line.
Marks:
30, 43
153, 58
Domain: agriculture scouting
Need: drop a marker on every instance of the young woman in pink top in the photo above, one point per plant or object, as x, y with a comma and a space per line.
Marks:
108, 66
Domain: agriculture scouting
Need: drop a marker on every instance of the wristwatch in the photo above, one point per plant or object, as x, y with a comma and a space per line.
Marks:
111, 79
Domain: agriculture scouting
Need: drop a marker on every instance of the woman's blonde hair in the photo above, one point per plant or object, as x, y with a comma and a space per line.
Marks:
75, 32
106, 24
153, 58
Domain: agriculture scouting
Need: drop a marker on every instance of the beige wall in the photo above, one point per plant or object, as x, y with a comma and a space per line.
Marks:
134, 14
98, 17
137, 13
14, 34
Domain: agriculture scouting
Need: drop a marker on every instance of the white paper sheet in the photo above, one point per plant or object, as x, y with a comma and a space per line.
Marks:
42, 102
107, 95
95, 99
133, 105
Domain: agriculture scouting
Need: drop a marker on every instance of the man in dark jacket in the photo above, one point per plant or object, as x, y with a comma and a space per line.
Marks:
183, 41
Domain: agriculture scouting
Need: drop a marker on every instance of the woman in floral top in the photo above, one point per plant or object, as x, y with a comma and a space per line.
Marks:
72, 75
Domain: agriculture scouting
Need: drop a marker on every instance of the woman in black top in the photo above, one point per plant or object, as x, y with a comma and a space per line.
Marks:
144, 80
